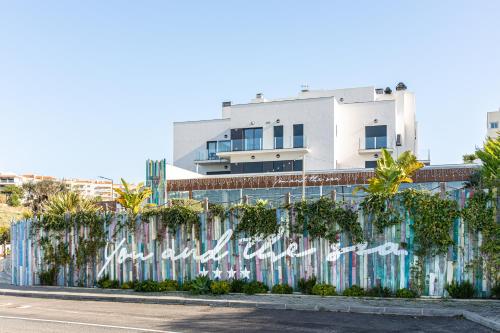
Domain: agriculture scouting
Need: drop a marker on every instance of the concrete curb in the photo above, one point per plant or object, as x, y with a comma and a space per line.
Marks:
179, 300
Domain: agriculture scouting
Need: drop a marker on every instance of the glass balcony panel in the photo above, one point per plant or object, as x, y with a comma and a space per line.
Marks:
376, 142
298, 141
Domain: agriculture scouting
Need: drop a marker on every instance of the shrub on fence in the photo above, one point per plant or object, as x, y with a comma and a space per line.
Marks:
306, 286
281, 289
406, 293
147, 286
48, 277
220, 287
237, 285
463, 289
354, 291
379, 291
168, 285
106, 283
255, 287
323, 289
200, 285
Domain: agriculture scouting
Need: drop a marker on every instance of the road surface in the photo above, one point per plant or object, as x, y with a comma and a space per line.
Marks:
22, 314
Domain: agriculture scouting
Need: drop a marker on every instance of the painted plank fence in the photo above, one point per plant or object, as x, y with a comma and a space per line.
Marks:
161, 254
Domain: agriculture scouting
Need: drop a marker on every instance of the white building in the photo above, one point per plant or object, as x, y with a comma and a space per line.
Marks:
493, 121
318, 130
9, 178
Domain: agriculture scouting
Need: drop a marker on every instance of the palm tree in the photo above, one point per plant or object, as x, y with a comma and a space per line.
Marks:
132, 198
390, 173
69, 202
490, 158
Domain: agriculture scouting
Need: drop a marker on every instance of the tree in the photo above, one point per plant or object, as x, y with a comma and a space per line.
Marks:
490, 159
4, 237
469, 158
14, 194
37, 194
132, 198
390, 173
69, 202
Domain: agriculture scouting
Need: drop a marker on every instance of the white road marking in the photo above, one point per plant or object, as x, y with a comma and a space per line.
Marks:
6, 304
88, 324
23, 307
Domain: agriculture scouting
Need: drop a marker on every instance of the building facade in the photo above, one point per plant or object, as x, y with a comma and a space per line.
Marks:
316, 130
493, 122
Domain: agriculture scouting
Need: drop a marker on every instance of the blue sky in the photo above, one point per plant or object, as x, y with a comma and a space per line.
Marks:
91, 88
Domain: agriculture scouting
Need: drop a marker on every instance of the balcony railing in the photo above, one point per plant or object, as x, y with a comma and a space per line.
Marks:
246, 144
376, 142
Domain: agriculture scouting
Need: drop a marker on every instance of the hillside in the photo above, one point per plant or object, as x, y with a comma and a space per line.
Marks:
8, 213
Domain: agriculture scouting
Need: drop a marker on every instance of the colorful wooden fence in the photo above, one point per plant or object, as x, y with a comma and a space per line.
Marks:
385, 260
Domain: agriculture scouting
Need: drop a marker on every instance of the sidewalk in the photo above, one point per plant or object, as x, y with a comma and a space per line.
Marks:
484, 312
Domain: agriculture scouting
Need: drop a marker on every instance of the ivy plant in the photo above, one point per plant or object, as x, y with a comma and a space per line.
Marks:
259, 220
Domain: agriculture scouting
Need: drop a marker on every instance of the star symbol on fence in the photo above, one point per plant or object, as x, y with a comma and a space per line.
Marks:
245, 273
231, 273
217, 273
203, 272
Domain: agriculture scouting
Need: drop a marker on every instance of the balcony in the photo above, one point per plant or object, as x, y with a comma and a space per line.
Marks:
254, 147
374, 145
208, 157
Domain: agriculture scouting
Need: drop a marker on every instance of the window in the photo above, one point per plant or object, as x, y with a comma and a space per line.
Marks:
212, 150
298, 136
223, 146
278, 137
253, 138
376, 137
246, 138
494, 125
370, 164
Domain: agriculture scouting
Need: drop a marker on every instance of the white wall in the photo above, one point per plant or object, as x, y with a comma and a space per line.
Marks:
351, 120
316, 115
191, 137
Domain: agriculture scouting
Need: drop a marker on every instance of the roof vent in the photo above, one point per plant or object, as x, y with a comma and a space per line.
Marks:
225, 104
401, 86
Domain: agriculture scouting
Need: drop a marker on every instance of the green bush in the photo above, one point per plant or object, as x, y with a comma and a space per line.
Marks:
200, 286
255, 287
186, 284
168, 285
128, 285
495, 290
405, 293
147, 286
49, 277
379, 291
464, 289
306, 286
220, 287
281, 289
323, 289
237, 285
106, 283
354, 291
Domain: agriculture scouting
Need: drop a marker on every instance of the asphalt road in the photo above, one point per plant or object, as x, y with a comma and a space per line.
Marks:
21, 314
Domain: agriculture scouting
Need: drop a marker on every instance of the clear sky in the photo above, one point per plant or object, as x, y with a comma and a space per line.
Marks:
91, 88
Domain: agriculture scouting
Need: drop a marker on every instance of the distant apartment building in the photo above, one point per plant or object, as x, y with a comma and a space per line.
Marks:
493, 122
9, 178
91, 188
316, 130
